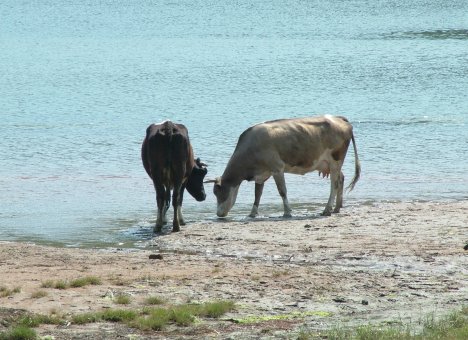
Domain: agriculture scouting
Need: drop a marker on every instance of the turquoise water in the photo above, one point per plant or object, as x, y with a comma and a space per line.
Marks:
81, 81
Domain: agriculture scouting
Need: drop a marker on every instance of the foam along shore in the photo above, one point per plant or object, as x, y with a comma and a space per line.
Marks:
371, 262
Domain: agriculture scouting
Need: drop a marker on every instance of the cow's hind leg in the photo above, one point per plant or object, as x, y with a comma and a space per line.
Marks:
179, 212
160, 201
167, 203
339, 194
281, 185
258, 195
176, 205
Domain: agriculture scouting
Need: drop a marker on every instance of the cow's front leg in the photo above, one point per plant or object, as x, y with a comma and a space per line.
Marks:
281, 185
258, 195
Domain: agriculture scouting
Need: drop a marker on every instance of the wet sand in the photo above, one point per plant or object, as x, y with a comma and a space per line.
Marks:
370, 263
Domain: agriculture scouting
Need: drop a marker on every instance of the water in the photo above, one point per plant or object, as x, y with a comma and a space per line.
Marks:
81, 81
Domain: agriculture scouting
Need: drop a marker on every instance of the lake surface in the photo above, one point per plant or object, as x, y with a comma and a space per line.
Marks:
81, 80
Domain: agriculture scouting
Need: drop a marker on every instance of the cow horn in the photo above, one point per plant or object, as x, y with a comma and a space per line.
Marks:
217, 180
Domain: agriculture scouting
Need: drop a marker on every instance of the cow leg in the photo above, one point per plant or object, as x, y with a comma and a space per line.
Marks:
179, 212
160, 194
334, 185
281, 185
339, 195
258, 194
176, 206
167, 202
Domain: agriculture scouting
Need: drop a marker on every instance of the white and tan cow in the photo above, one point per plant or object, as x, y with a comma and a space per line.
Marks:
296, 146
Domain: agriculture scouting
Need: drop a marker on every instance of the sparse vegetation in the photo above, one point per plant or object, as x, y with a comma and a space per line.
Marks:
47, 284
280, 273
39, 294
4, 291
451, 327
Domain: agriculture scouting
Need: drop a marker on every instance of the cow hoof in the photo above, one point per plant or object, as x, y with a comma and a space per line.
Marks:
175, 229
157, 229
252, 215
326, 213
287, 215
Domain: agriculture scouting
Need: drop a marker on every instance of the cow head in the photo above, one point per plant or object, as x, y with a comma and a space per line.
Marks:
195, 181
226, 195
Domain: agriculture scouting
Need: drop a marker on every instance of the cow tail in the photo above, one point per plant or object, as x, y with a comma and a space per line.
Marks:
168, 131
357, 166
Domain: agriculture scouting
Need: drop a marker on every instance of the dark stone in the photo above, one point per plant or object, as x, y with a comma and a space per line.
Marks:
365, 302
155, 257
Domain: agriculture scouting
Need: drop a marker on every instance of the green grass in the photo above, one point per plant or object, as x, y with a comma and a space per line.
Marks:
150, 318
39, 319
122, 299
155, 320
451, 327
118, 315
154, 300
85, 281
81, 319
112, 315
76, 283
217, 309
19, 333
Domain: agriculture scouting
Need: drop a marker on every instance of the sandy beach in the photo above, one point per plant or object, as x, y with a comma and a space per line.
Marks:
381, 262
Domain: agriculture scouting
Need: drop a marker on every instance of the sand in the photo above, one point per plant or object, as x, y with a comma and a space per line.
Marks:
382, 262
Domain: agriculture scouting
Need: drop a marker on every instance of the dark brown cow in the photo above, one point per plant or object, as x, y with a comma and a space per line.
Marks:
296, 146
168, 159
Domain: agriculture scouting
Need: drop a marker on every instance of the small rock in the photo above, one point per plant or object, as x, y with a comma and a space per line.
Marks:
365, 302
466, 246
339, 299
307, 226
109, 295
155, 257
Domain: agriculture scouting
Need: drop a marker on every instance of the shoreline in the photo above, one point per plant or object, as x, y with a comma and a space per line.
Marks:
140, 237
370, 263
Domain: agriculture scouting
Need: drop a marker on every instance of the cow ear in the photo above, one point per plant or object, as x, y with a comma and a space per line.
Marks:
200, 163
